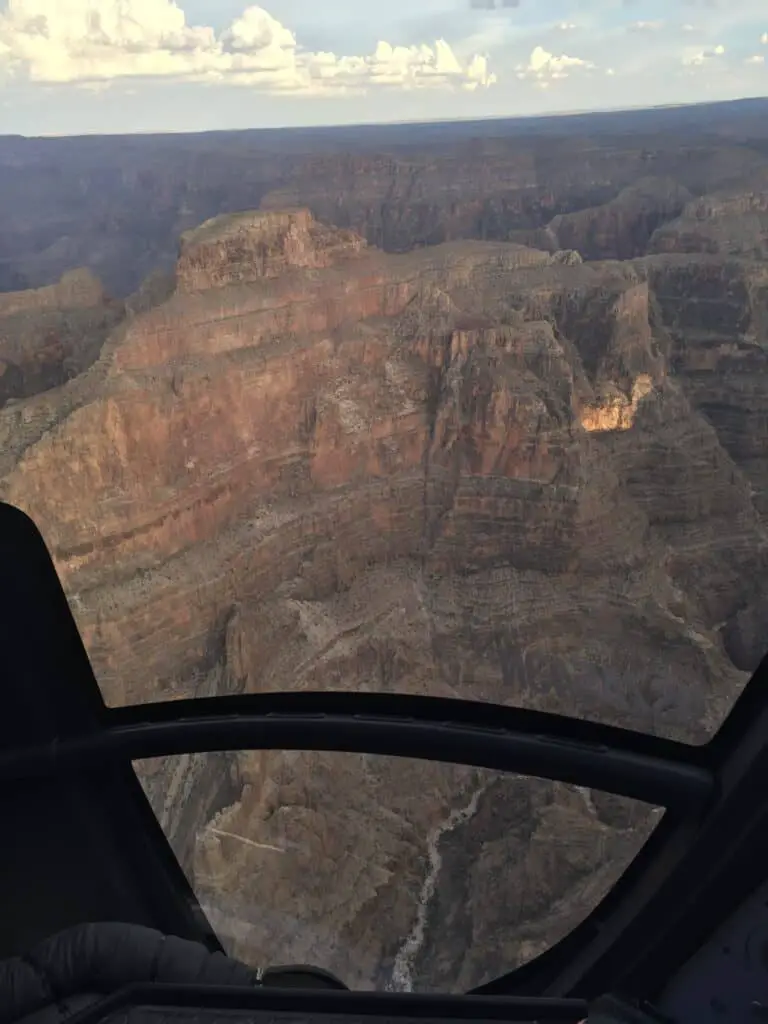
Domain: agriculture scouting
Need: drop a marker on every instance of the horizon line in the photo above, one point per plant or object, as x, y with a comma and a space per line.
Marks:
405, 122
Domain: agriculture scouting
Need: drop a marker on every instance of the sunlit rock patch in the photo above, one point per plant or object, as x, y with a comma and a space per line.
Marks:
618, 411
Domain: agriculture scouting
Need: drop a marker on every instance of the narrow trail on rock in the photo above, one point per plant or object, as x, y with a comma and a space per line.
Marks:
402, 972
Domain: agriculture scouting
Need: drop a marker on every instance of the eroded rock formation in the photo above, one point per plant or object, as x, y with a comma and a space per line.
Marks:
476, 469
731, 222
49, 335
623, 227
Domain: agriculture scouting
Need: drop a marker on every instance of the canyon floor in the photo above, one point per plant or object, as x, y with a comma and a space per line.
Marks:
511, 470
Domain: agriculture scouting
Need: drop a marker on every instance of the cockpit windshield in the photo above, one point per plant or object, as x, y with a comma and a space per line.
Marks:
395, 353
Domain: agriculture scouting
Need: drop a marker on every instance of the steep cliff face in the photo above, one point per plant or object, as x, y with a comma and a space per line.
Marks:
621, 228
715, 315
731, 222
604, 197
49, 335
473, 470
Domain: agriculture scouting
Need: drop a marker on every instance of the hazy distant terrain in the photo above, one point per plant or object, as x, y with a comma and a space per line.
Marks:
118, 204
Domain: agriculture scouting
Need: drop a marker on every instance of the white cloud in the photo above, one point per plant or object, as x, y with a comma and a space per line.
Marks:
86, 41
764, 38
567, 26
696, 58
645, 26
757, 59
544, 67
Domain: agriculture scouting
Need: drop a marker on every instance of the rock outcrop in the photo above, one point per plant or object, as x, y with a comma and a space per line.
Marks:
247, 247
621, 228
49, 335
733, 222
475, 469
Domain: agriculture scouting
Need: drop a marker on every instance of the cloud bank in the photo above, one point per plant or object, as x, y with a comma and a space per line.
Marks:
83, 42
545, 67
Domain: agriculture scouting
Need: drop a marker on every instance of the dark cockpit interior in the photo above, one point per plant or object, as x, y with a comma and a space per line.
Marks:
681, 937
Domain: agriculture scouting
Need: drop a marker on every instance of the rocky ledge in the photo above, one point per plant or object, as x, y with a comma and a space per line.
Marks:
245, 247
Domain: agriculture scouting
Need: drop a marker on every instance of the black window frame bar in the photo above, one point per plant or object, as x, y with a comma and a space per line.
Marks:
320, 1004
426, 728
56, 723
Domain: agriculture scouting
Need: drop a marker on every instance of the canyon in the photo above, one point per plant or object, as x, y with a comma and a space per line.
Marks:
599, 182
516, 464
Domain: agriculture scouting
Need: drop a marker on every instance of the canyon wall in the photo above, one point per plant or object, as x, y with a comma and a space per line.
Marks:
474, 469
117, 205
52, 334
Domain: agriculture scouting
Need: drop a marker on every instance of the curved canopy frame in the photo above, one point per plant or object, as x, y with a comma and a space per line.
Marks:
86, 845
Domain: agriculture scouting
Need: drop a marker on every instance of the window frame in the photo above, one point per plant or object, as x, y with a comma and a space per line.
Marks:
56, 731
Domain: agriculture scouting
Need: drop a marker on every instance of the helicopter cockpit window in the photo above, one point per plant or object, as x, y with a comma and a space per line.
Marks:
369, 353
393, 874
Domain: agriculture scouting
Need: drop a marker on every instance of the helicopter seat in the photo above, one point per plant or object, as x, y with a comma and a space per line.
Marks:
77, 967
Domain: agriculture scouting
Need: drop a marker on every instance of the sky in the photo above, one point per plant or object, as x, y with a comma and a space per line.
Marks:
82, 66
